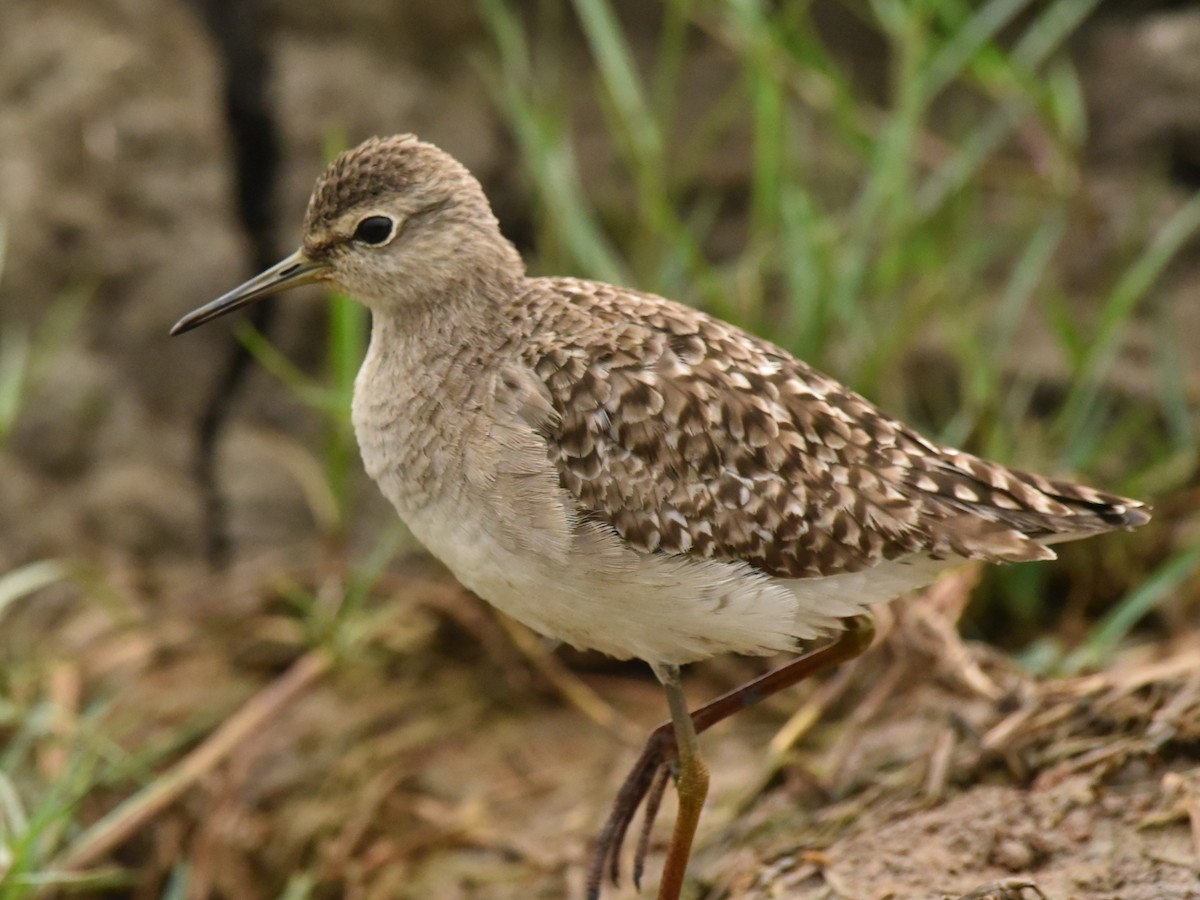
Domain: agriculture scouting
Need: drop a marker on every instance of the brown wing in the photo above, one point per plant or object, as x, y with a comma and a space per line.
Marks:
690, 436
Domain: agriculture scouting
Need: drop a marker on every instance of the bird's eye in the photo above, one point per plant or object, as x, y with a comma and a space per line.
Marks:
374, 230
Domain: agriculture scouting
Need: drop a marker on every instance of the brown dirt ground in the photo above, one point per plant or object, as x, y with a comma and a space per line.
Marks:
446, 754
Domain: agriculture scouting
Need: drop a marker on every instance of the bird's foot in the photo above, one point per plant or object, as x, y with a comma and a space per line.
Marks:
645, 783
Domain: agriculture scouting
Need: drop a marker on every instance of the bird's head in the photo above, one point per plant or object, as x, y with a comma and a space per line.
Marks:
395, 223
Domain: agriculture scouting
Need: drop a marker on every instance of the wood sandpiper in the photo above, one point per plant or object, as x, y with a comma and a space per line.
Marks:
630, 475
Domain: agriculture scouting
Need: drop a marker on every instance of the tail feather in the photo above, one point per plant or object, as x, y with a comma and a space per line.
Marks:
1020, 511
1105, 511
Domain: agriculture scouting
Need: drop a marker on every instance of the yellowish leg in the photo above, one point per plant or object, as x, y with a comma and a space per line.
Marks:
680, 731
691, 784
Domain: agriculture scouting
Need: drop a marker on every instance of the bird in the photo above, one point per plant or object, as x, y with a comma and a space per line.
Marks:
628, 474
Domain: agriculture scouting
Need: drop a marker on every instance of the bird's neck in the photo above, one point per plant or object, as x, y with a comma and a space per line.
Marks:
419, 391
453, 291
439, 321
432, 348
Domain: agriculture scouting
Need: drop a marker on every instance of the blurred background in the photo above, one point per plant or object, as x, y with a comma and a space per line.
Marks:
226, 671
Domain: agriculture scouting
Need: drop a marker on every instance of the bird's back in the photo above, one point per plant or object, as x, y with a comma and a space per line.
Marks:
690, 436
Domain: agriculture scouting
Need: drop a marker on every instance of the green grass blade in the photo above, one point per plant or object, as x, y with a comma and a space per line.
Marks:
619, 75
1136, 282
307, 390
15, 353
346, 348
964, 45
1115, 626
300, 886
1172, 384
28, 579
542, 136
1042, 38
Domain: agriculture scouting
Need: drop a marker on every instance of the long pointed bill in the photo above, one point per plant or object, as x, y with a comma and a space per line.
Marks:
292, 272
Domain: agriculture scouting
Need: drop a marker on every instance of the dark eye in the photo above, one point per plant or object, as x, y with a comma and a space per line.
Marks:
374, 230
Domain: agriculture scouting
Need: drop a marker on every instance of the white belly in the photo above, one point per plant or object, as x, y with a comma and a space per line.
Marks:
663, 609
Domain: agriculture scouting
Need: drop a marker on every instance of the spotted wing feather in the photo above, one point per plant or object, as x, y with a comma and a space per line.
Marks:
690, 436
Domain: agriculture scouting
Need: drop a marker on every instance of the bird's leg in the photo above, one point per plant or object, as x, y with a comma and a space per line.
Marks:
644, 779
691, 784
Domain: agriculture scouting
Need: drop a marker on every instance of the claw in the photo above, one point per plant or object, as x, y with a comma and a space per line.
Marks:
653, 801
647, 779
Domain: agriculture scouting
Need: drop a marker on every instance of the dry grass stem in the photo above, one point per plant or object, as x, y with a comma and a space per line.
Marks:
116, 827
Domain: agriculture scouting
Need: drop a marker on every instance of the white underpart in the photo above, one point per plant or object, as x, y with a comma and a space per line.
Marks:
667, 610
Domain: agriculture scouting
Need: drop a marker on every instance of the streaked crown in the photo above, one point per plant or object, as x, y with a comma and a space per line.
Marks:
381, 169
